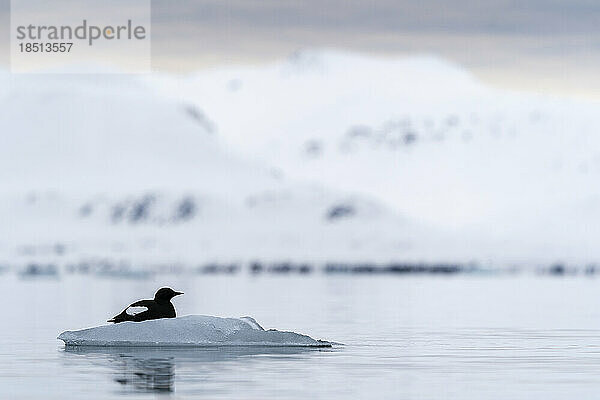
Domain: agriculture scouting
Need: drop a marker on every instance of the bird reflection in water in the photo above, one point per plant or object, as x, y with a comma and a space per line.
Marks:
140, 369
145, 374
134, 369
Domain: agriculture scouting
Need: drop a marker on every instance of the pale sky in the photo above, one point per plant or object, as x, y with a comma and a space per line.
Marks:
541, 45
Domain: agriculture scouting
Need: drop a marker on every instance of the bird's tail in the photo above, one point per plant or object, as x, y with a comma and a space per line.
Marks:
121, 317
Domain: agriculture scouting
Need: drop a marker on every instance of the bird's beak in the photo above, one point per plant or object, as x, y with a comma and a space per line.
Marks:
178, 293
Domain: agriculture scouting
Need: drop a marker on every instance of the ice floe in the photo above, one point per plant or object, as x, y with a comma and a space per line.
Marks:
191, 330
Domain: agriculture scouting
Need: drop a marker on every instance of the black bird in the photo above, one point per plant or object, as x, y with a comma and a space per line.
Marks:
160, 307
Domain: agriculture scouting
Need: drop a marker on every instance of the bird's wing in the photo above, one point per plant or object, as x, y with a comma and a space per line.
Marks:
142, 303
138, 307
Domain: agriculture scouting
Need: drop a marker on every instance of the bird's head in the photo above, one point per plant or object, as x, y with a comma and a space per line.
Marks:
165, 294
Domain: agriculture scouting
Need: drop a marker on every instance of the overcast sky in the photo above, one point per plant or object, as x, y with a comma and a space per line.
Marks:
550, 45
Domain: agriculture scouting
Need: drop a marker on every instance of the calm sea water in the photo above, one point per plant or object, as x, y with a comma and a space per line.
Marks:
404, 337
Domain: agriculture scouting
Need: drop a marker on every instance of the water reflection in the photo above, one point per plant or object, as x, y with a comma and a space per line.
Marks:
139, 369
141, 374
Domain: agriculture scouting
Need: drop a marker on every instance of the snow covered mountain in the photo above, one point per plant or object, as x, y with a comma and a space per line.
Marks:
322, 157
516, 171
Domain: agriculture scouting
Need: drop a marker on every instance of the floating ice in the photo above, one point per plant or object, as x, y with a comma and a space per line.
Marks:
191, 330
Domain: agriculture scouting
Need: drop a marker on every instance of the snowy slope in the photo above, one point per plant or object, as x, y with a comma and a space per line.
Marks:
322, 157
515, 171
105, 168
